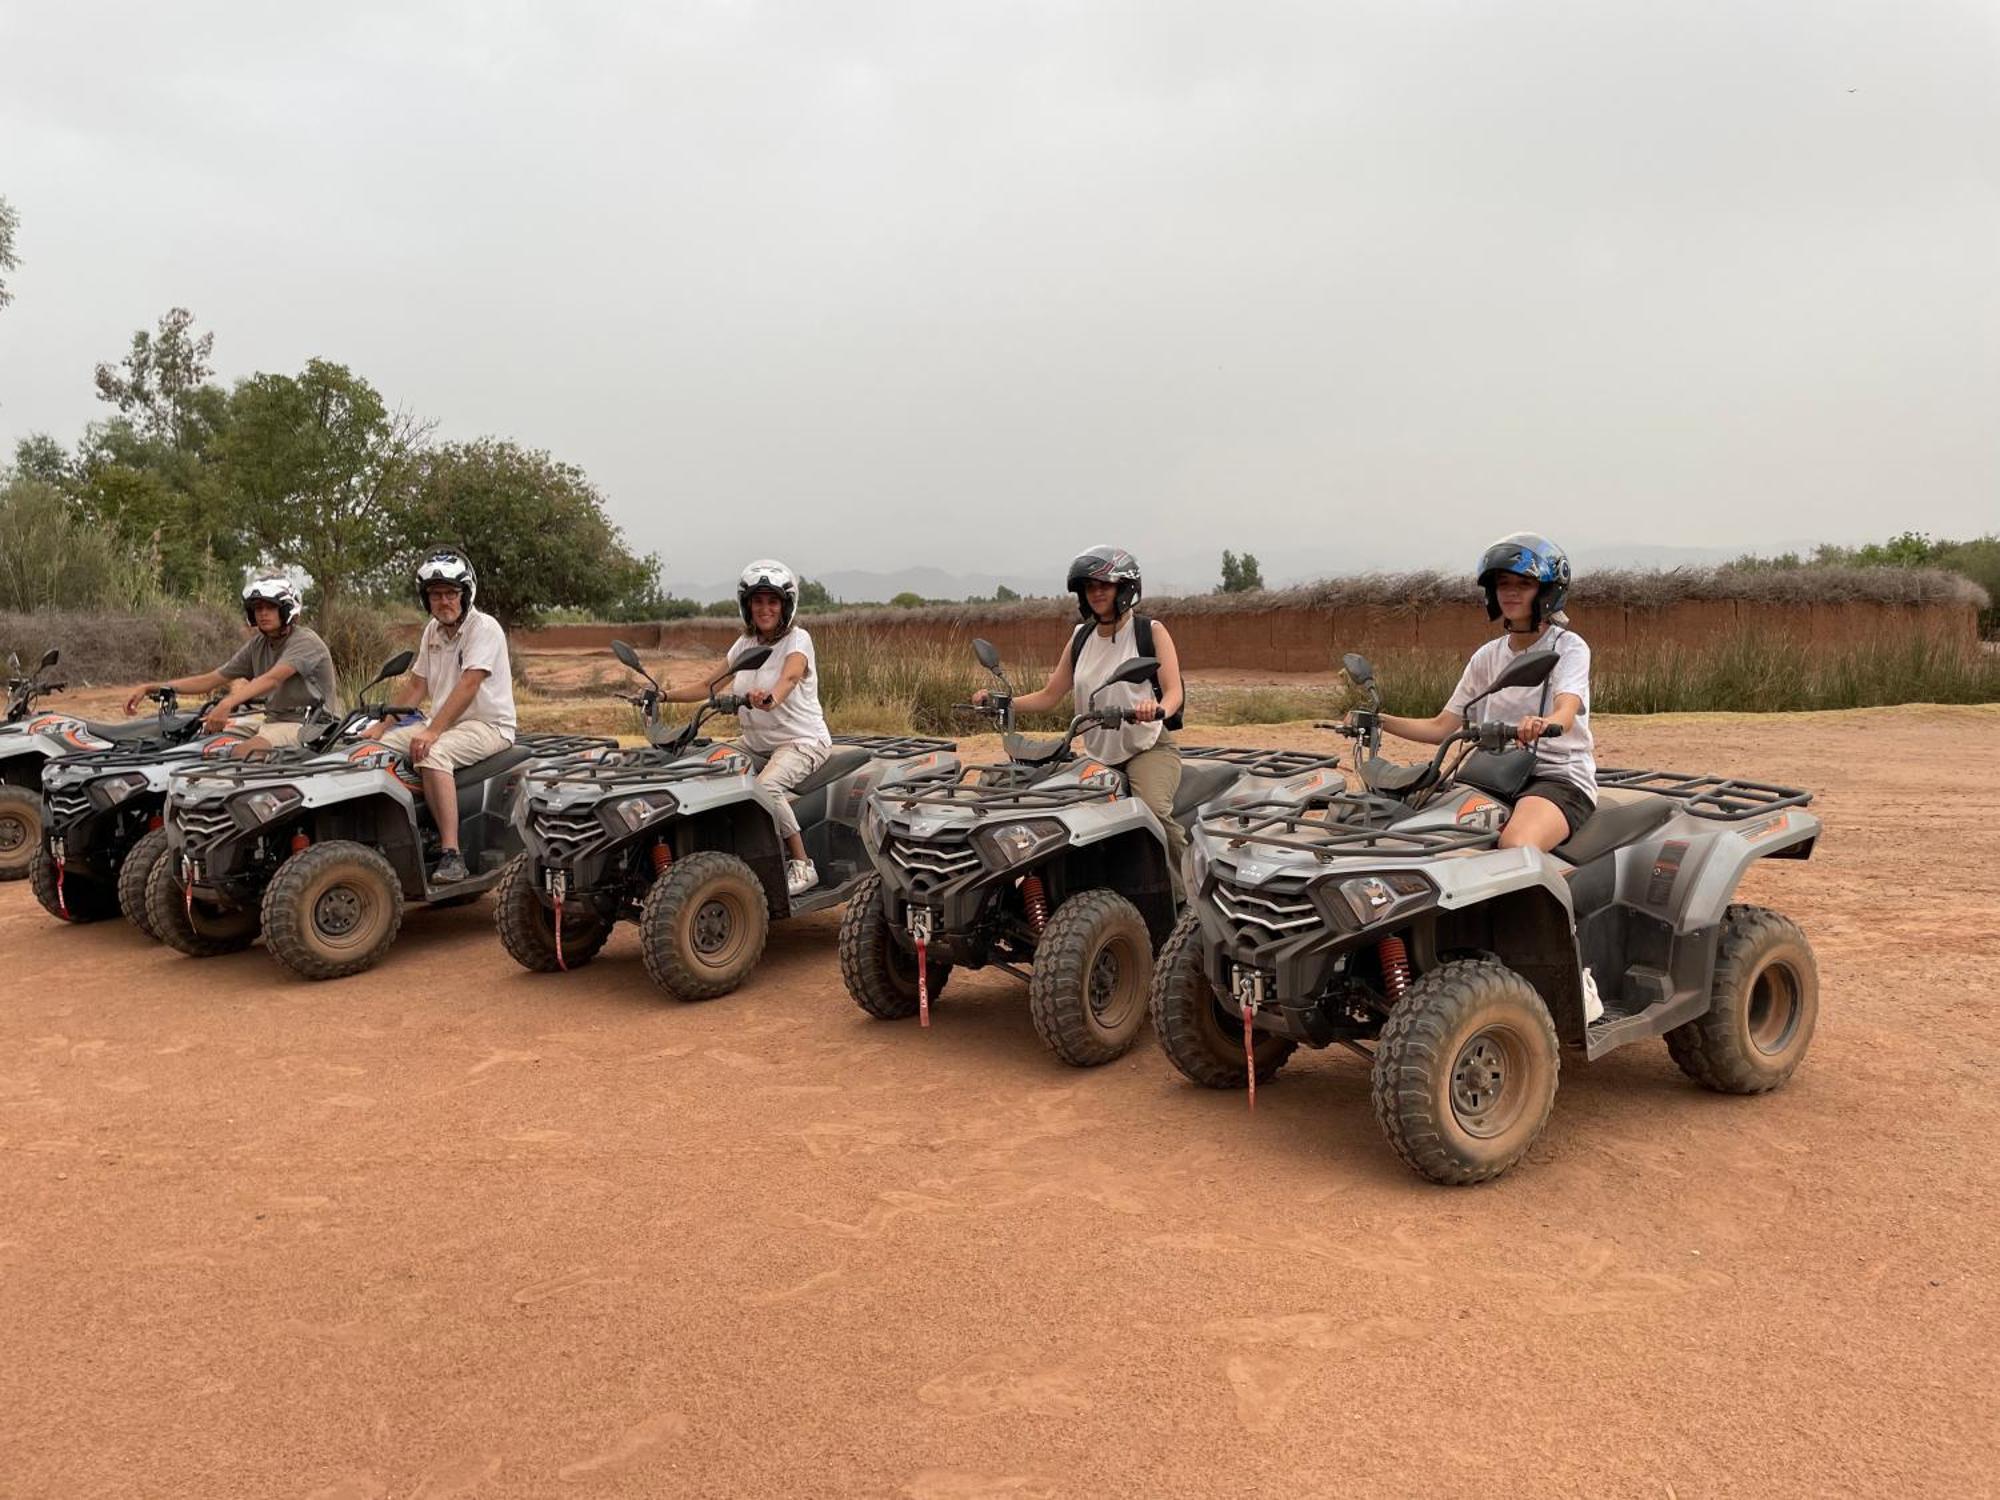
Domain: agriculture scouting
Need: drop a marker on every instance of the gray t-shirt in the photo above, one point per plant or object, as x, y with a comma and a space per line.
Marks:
1571, 758
312, 671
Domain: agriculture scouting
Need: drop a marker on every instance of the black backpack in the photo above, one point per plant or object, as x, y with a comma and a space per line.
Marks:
1142, 638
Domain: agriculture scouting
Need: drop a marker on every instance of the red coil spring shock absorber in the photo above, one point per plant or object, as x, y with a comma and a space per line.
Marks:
1037, 901
662, 857
1395, 959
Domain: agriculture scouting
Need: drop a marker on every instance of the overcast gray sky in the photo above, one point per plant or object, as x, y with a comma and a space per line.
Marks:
868, 285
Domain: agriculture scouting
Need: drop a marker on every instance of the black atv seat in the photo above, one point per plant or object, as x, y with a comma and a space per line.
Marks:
491, 766
1621, 818
843, 760
128, 730
1201, 780
1390, 777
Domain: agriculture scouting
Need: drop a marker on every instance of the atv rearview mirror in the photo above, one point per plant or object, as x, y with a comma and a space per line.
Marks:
628, 656
751, 660
1138, 669
1358, 668
49, 658
1529, 669
395, 666
13, 664
989, 657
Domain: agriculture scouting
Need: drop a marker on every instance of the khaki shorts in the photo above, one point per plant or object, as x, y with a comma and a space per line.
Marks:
279, 734
458, 747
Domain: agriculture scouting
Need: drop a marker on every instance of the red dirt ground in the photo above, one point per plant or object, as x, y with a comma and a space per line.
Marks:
452, 1229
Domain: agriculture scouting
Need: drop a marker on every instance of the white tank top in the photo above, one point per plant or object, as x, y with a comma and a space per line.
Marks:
1101, 656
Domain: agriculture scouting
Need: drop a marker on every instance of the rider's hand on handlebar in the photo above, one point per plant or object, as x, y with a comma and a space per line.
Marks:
216, 720
1535, 727
132, 703
1144, 712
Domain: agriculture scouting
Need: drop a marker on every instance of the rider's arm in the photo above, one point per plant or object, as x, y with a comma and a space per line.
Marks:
697, 692
256, 687
202, 683
791, 677
406, 697
445, 714
1431, 731
1052, 692
1568, 706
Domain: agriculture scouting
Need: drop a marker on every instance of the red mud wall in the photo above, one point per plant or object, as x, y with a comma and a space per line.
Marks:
1312, 638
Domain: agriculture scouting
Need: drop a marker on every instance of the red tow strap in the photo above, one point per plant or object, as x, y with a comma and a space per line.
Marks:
923, 983
61, 904
1250, 1050
559, 953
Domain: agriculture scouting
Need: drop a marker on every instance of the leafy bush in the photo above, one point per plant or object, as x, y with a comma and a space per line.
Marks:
52, 558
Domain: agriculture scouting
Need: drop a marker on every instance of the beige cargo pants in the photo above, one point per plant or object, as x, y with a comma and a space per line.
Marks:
1155, 776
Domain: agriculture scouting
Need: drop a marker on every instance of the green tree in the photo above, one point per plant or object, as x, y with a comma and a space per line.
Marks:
163, 386
535, 529
908, 600
1240, 574
319, 467
10, 222
813, 595
1004, 595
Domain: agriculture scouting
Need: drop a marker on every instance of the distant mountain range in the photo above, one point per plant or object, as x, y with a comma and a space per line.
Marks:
1189, 574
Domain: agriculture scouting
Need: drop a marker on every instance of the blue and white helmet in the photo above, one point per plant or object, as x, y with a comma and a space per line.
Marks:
1531, 556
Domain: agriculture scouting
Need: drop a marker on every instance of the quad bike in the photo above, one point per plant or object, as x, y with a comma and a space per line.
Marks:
30, 740
678, 837
1044, 867
1389, 921
322, 852
104, 828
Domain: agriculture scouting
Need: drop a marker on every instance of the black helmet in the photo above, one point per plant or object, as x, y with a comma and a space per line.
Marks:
1105, 565
769, 576
447, 566
1533, 557
273, 588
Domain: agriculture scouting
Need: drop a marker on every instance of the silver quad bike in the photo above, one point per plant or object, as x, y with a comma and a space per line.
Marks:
29, 740
678, 836
1388, 921
1044, 867
322, 853
104, 815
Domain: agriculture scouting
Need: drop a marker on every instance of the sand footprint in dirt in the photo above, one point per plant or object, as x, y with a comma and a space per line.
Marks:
1265, 1370
987, 1384
884, 1211
555, 1286
637, 1441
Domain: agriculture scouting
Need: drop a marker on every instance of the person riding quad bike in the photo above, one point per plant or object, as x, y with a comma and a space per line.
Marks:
284, 664
779, 710
463, 668
1107, 583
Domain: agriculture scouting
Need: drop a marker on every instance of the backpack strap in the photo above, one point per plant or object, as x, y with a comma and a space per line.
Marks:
1076, 646
1142, 639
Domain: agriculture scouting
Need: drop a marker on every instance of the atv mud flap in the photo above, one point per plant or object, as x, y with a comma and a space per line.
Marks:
920, 934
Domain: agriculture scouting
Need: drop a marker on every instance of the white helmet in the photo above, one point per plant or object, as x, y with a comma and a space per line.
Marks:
447, 566
773, 576
273, 588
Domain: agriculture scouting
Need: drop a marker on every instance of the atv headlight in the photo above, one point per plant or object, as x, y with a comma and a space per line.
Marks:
112, 790
1007, 844
630, 814
261, 806
1378, 898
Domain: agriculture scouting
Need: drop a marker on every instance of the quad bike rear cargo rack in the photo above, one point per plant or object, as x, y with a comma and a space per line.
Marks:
1725, 799
1272, 765
1310, 829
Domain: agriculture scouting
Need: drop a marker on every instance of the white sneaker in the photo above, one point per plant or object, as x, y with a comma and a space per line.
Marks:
800, 876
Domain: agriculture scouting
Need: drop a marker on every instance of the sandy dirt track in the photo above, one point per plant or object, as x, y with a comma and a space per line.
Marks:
452, 1229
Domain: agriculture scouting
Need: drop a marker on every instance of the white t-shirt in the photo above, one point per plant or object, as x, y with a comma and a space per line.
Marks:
478, 644
1571, 758
1101, 656
796, 719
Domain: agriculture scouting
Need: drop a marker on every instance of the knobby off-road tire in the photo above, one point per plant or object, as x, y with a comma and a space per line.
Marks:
20, 830
133, 873
878, 972
528, 926
1762, 1008
1466, 1072
88, 900
1093, 968
1199, 1037
212, 933
703, 926
332, 910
